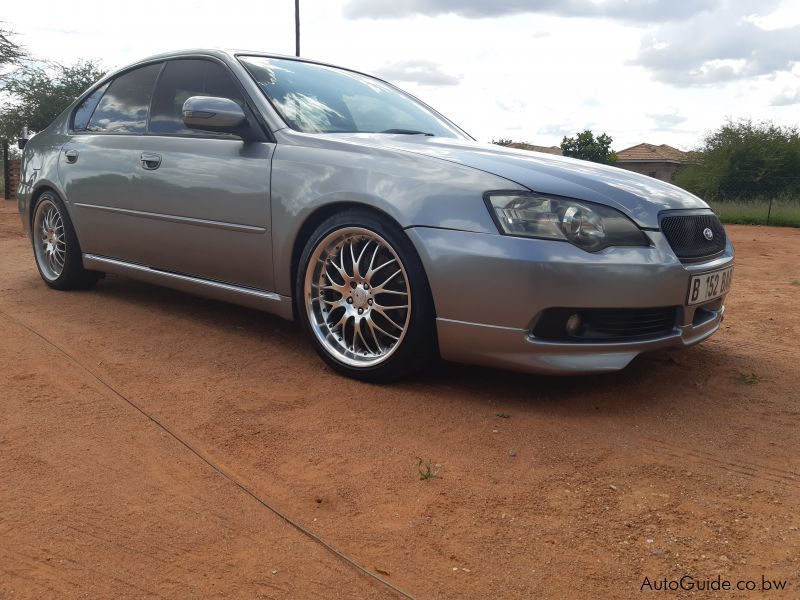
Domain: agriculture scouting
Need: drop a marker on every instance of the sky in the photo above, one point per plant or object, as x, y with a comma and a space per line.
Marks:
656, 71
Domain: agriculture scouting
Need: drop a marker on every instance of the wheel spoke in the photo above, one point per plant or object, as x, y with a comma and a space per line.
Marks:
371, 326
333, 285
357, 261
380, 288
372, 262
396, 292
357, 324
344, 335
372, 272
340, 269
383, 331
382, 307
380, 311
333, 304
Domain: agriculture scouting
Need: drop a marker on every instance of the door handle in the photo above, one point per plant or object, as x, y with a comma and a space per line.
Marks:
71, 156
150, 160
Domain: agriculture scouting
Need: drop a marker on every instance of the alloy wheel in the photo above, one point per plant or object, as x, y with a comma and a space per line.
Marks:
357, 296
50, 242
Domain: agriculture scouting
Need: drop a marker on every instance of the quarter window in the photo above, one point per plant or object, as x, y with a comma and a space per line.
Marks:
124, 107
181, 80
86, 108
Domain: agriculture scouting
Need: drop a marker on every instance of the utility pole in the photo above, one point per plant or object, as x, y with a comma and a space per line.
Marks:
297, 27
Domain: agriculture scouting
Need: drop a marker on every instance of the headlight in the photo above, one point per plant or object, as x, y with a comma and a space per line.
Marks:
589, 226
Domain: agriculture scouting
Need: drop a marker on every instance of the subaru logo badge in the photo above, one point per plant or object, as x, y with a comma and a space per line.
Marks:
708, 234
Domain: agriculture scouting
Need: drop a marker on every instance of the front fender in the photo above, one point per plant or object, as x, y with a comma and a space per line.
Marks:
413, 190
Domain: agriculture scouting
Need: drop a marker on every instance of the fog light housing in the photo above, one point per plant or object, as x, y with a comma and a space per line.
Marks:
573, 324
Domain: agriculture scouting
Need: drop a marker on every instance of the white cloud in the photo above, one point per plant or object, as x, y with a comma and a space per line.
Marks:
786, 98
721, 45
424, 72
648, 11
666, 120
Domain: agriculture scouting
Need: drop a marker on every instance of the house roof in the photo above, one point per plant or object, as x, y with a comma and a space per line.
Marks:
535, 148
652, 153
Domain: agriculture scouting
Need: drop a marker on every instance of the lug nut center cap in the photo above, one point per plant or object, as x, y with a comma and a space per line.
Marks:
360, 297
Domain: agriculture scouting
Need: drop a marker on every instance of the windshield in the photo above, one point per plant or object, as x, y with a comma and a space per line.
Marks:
314, 98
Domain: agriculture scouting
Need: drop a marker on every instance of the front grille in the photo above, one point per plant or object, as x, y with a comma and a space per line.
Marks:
685, 234
597, 324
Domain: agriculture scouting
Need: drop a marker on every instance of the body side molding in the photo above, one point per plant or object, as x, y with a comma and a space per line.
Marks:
253, 298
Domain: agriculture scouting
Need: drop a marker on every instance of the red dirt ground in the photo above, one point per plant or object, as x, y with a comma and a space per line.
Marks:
544, 487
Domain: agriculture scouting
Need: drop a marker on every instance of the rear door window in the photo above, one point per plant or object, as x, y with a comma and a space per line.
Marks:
181, 80
124, 106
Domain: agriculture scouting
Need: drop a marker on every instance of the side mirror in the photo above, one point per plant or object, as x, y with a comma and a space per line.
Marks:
213, 114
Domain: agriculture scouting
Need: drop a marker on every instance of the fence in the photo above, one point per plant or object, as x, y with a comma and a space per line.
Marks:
13, 179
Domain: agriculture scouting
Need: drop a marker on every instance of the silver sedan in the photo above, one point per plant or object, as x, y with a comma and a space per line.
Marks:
328, 196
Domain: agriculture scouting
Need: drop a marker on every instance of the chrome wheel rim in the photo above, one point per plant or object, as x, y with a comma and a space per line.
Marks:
50, 241
357, 297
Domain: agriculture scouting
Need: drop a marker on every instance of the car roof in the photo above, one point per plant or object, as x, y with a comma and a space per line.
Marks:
232, 53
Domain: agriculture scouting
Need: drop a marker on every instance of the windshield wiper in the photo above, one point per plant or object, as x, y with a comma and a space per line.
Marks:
406, 132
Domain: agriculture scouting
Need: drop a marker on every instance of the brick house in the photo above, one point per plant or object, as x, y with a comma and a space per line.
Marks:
534, 148
660, 162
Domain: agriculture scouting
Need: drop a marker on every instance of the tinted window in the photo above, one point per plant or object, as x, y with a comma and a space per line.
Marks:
124, 105
181, 80
86, 108
318, 99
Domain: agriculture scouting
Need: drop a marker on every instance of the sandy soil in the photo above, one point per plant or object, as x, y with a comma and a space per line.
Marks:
544, 487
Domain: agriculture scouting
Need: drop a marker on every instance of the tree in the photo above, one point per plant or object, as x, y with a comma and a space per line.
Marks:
744, 160
585, 146
40, 92
11, 53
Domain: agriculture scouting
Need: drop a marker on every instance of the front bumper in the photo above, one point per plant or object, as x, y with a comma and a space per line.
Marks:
489, 289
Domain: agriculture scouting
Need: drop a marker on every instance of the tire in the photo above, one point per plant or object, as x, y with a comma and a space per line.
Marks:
363, 298
56, 248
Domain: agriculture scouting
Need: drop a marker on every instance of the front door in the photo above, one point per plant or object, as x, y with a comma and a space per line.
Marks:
205, 196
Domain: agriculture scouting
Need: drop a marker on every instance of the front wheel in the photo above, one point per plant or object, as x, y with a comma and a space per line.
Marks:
363, 297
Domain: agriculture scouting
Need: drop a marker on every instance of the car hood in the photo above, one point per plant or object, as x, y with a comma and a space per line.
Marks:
640, 197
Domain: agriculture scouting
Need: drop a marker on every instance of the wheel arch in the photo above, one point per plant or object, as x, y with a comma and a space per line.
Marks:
315, 218
36, 193
38, 190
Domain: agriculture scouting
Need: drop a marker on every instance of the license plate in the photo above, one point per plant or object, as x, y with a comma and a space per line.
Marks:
709, 286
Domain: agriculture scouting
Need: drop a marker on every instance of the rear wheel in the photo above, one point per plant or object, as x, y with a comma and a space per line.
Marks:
364, 299
55, 246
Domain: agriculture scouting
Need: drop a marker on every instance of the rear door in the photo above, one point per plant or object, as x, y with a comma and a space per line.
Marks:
205, 196
100, 165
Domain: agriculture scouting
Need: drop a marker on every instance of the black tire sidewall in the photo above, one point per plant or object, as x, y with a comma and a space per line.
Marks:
418, 348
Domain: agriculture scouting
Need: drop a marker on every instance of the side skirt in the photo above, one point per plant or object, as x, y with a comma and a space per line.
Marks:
253, 298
